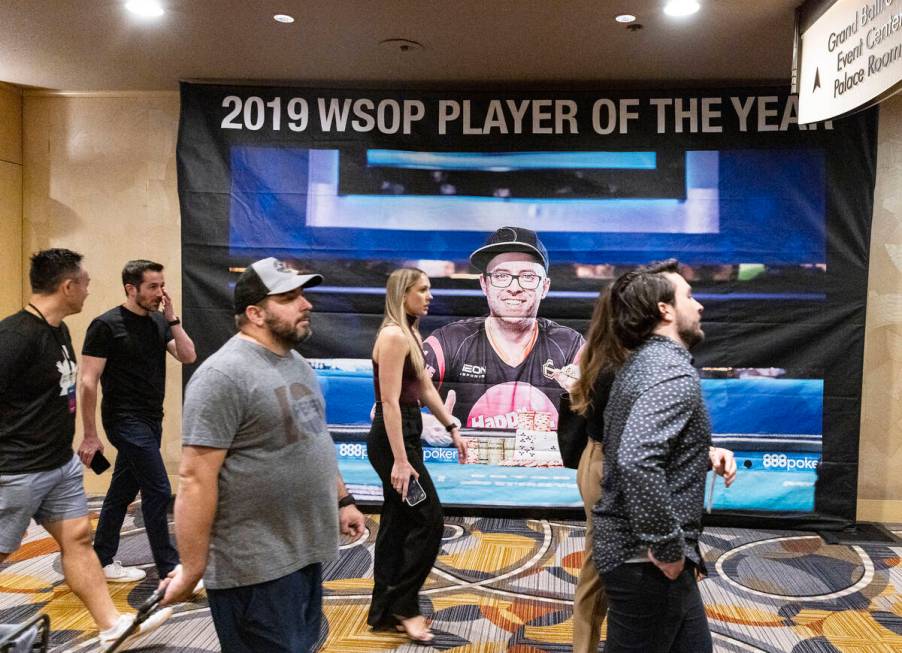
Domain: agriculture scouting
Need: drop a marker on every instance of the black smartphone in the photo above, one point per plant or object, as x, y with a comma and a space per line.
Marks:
99, 463
415, 492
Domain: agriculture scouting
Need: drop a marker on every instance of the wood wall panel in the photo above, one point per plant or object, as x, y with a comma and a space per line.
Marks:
880, 470
100, 179
10, 124
10, 238
10, 199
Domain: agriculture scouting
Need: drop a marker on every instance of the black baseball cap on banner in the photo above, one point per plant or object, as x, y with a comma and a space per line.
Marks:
266, 277
510, 239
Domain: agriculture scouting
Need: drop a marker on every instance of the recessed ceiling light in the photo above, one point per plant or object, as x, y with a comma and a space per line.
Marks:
681, 7
625, 18
145, 8
283, 18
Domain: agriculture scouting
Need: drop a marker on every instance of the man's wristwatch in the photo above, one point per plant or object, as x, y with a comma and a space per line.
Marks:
174, 322
346, 500
451, 427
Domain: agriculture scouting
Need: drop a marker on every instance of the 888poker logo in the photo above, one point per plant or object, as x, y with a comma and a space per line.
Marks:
357, 451
351, 451
440, 454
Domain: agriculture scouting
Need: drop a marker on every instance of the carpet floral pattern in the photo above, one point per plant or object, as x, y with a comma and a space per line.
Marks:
507, 585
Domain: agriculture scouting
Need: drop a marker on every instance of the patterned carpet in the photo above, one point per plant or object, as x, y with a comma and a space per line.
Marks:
507, 585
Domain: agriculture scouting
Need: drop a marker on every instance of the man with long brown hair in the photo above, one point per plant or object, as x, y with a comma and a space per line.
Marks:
602, 356
657, 442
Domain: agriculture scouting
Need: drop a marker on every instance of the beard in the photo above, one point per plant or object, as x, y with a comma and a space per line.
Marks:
149, 305
691, 335
286, 333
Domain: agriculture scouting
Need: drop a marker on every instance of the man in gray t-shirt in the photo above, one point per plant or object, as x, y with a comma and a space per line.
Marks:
260, 501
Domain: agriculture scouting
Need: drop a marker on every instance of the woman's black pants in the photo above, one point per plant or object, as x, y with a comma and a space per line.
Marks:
409, 536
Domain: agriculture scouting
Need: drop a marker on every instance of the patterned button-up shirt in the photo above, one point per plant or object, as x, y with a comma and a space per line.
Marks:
656, 439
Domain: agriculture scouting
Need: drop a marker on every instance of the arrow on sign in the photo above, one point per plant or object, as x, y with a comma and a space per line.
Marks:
817, 79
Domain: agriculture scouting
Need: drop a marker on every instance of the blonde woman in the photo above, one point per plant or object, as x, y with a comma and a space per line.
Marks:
411, 527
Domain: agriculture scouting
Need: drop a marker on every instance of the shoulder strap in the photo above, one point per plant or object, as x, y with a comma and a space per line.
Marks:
160, 322
113, 319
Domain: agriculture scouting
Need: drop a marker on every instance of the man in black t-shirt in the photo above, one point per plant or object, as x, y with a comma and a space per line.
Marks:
490, 368
125, 349
40, 477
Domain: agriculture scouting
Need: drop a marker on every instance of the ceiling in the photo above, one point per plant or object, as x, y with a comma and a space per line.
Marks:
95, 45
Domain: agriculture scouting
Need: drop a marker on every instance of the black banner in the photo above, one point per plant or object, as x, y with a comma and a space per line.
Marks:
771, 219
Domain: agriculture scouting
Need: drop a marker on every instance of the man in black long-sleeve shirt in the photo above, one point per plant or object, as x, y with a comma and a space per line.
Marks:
656, 440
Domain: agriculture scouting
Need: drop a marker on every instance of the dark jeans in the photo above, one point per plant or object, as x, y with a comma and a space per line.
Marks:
279, 616
139, 466
409, 537
650, 613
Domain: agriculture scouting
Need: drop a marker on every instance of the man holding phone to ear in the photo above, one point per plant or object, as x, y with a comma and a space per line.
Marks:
125, 349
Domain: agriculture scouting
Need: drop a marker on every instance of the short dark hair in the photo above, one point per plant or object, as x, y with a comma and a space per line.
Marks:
133, 272
50, 267
634, 301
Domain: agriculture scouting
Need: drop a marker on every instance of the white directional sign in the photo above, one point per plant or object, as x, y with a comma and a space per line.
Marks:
850, 56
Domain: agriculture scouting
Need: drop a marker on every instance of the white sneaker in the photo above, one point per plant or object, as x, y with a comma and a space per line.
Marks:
116, 573
125, 621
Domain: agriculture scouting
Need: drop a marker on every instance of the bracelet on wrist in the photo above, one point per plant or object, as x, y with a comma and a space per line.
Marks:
173, 322
346, 500
450, 427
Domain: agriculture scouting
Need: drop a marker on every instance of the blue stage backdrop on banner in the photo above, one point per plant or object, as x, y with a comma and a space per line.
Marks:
770, 218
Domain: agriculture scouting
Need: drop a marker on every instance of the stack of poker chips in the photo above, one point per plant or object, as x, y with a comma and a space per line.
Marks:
473, 451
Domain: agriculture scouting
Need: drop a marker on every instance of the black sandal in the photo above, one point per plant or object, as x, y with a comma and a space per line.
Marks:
389, 623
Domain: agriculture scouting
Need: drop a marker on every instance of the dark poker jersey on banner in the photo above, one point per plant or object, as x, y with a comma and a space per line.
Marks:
489, 391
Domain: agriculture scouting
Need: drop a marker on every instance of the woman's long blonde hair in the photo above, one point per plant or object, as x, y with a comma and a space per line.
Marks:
399, 283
